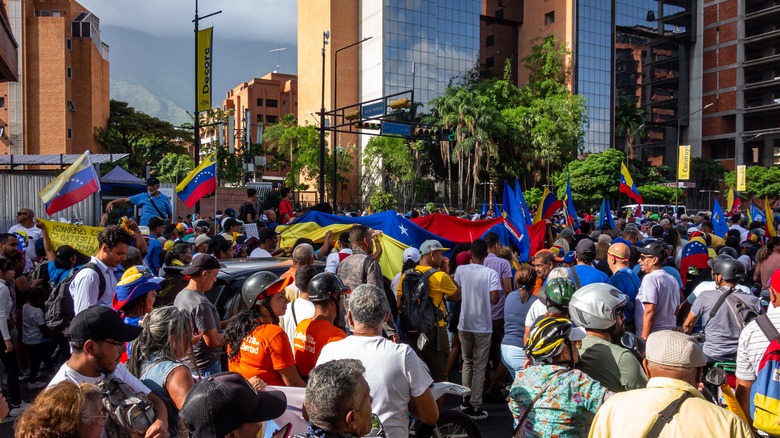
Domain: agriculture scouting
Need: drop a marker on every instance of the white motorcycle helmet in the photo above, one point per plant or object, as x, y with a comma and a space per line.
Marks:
594, 306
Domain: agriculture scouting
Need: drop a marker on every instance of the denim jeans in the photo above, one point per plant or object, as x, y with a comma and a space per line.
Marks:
513, 358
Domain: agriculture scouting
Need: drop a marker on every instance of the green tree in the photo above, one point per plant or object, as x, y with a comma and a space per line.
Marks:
629, 122
658, 194
533, 196
759, 181
174, 167
382, 201
707, 174
595, 178
398, 161
144, 138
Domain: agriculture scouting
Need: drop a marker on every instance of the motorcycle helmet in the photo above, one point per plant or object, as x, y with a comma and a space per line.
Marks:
594, 306
324, 286
727, 250
728, 268
557, 293
262, 285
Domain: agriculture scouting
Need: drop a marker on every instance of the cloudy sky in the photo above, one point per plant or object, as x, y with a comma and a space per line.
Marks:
247, 20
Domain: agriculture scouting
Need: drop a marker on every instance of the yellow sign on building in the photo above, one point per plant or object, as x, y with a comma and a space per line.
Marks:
741, 182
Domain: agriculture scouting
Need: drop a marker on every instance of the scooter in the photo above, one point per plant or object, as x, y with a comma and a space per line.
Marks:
633, 344
721, 376
452, 423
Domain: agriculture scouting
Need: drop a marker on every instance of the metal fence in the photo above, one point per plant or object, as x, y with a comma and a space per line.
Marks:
20, 190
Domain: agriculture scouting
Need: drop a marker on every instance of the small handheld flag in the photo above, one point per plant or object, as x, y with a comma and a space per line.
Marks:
200, 182
719, 224
547, 206
770, 219
72, 186
627, 185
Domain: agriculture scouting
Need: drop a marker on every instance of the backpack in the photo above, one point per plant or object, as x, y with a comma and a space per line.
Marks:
418, 312
765, 393
739, 309
60, 308
242, 211
127, 410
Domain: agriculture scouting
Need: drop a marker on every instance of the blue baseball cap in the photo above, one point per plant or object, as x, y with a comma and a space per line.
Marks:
569, 257
136, 282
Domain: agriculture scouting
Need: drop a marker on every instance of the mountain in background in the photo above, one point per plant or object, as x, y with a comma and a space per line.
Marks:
156, 75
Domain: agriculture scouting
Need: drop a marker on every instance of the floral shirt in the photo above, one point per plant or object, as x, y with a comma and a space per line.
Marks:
567, 407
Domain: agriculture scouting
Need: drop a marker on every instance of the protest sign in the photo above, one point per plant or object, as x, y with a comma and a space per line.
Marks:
251, 230
80, 237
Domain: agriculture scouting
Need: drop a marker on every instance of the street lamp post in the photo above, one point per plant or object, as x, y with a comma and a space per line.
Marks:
676, 167
325, 37
335, 106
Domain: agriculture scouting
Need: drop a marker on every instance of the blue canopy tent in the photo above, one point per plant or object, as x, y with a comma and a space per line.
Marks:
121, 183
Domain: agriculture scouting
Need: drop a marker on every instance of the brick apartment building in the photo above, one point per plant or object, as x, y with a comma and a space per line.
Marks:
265, 101
63, 90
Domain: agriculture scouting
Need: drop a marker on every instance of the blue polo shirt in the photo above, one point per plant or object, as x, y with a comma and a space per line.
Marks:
148, 211
589, 275
154, 256
626, 281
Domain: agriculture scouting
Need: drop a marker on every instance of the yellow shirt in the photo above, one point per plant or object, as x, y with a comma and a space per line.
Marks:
439, 285
632, 414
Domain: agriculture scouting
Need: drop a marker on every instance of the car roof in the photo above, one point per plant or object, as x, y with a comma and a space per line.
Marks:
244, 266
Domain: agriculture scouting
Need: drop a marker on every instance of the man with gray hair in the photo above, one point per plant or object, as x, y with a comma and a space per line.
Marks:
398, 379
338, 400
670, 405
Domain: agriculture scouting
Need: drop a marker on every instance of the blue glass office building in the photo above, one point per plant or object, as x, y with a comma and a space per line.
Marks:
425, 44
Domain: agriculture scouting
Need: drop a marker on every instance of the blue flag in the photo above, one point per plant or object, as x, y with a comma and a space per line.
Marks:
605, 215
719, 220
756, 214
523, 206
484, 207
572, 220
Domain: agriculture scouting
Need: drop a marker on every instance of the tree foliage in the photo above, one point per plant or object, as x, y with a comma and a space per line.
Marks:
400, 162
759, 181
629, 122
174, 167
144, 138
382, 201
595, 178
658, 194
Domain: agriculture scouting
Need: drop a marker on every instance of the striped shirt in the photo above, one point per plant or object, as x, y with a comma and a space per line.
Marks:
752, 345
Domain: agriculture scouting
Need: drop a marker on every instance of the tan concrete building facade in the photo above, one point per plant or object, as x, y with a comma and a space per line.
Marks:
63, 89
267, 100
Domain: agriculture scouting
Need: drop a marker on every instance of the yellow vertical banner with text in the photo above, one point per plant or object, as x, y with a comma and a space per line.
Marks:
204, 62
741, 181
81, 237
684, 162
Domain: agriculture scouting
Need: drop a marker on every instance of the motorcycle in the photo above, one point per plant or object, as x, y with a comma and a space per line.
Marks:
452, 423
632, 343
719, 383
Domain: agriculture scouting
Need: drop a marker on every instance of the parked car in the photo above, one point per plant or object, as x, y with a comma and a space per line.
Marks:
226, 292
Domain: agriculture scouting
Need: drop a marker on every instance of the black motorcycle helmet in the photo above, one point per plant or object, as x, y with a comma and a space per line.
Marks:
324, 286
261, 285
730, 270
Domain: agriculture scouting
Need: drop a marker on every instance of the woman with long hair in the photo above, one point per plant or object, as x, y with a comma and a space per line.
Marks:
257, 346
179, 255
65, 410
518, 302
165, 339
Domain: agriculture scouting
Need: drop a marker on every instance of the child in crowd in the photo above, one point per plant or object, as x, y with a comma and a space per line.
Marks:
33, 331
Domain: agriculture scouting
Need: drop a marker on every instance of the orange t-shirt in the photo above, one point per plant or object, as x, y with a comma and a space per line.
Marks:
538, 285
264, 352
310, 337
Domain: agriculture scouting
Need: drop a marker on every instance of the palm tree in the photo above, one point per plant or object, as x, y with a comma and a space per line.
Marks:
629, 121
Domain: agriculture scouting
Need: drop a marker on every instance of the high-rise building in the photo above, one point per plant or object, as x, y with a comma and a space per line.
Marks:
62, 93
741, 78
265, 101
648, 62
10, 67
414, 44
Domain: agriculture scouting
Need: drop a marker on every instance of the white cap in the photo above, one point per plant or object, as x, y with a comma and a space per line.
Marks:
413, 254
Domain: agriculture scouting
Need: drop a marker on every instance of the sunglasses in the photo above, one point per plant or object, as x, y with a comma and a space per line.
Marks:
21, 213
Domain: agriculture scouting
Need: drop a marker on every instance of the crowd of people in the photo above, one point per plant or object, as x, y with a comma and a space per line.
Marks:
115, 345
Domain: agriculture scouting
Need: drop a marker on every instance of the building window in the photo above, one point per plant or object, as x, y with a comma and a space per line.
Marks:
70, 72
2, 102
71, 106
500, 14
271, 120
259, 102
69, 44
271, 103
489, 41
549, 18
70, 133
490, 62
259, 118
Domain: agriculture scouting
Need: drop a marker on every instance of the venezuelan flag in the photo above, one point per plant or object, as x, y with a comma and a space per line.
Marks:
72, 186
572, 220
547, 206
398, 233
770, 219
199, 183
627, 185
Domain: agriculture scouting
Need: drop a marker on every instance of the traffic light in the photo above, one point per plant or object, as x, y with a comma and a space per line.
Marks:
448, 135
401, 103
431, 132
367, 125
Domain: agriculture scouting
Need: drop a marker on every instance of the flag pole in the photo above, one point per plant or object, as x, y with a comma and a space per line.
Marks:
216, 196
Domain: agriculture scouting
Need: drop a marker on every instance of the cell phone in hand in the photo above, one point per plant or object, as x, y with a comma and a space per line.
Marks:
284, 432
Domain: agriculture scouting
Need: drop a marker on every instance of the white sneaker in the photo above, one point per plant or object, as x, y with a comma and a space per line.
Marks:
17, 410
36, 385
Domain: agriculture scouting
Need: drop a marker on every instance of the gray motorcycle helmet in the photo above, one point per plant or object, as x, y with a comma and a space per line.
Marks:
594, 306
255, 285
731, 270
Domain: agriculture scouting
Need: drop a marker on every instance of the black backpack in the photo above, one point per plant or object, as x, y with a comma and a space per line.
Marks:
418, 313
60, 308
242, 211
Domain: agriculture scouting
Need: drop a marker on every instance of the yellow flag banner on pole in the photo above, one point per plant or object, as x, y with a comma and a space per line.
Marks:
770, 218
730, 199
684, 162
80, 237
741, 179
204, 62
